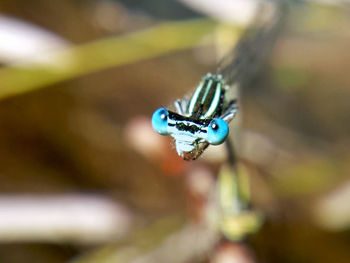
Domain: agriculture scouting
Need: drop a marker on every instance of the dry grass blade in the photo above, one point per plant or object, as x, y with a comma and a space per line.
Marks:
91, 57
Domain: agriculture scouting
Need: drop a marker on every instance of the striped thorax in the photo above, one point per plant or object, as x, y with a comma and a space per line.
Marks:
206, 102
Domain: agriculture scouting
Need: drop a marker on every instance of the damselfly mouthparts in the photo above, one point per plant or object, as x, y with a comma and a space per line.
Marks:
200, 121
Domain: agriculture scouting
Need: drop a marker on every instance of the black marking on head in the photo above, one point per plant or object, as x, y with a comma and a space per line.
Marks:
192, 128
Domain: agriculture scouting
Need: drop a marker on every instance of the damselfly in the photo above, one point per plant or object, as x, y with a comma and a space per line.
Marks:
203, 119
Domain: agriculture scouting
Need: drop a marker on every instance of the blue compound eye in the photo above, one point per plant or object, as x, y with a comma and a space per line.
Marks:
160, 121
217, 131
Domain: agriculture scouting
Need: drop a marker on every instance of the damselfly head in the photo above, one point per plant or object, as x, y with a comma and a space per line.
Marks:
191, 136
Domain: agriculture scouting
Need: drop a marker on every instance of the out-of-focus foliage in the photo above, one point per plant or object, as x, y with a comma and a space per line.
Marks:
86, 130
67, 64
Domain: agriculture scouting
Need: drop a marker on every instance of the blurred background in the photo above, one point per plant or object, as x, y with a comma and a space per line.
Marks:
85, 179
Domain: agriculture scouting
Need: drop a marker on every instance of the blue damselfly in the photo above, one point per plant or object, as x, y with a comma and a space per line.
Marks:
203, 119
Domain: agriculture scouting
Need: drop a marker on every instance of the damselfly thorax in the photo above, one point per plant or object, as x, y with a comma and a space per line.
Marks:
199, 121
